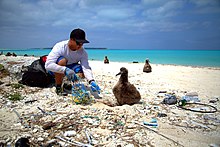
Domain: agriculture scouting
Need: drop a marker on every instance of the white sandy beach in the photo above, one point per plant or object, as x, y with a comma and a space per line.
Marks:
179, 128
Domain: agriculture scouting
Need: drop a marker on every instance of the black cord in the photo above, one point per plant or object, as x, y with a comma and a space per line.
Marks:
190, 109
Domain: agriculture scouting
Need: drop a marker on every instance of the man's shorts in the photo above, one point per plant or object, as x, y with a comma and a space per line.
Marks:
76, 67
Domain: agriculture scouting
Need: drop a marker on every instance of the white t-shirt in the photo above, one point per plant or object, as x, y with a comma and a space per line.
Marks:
62, 49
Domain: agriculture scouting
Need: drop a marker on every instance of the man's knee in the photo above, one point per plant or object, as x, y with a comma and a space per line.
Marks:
62, 61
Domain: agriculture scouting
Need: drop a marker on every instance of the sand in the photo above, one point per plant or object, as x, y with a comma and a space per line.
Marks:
170, 78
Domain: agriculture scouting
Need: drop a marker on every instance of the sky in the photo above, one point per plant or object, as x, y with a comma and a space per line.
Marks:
113, 24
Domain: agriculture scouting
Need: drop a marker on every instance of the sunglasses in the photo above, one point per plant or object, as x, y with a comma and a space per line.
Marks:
79, 43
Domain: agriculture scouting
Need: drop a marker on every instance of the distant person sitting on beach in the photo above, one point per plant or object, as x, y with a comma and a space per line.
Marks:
69, 58
106, 61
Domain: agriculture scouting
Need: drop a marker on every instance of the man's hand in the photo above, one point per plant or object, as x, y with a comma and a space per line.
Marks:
95, 87
70, 74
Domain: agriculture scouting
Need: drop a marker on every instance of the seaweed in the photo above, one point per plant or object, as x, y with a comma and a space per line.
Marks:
15, 97
16, 85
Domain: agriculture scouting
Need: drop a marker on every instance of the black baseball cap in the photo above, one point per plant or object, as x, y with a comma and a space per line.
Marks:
79, 35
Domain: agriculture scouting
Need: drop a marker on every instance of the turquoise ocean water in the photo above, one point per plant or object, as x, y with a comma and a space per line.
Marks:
207, 58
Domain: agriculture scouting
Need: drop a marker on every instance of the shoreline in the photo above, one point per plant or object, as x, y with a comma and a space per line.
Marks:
155, 64
205, 58
179, 125
91, 60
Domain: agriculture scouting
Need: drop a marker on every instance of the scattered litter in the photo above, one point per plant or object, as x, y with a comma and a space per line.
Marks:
161, 115
54, 121
79, 93
152, 123
191, 98
46, 113
214, 100
70, 133
177, 143
89, 137
195, 107
48, 125
30, 101
199, 124
169, 99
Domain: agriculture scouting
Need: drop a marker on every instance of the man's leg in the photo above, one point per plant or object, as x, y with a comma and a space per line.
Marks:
77, 68
59, 76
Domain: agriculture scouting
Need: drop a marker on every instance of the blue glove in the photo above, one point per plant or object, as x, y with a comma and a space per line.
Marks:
70, 74
95, 87
74, 77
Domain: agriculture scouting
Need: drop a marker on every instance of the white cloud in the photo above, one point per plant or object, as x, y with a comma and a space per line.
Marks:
153, 2
115, 14
107, 16
201, 3
162, 12
206, 6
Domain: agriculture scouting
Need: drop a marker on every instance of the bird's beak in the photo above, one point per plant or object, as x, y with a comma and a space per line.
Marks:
118, 74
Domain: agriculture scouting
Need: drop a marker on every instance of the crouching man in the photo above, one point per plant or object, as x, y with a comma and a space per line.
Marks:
69, 58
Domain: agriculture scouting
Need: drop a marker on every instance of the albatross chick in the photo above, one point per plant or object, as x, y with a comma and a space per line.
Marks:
124, 91
147, 67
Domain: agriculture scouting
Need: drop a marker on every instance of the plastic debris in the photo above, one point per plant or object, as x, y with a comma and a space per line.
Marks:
169, 99
191, 98
152, 123
70, 133
161, 115
79, 93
